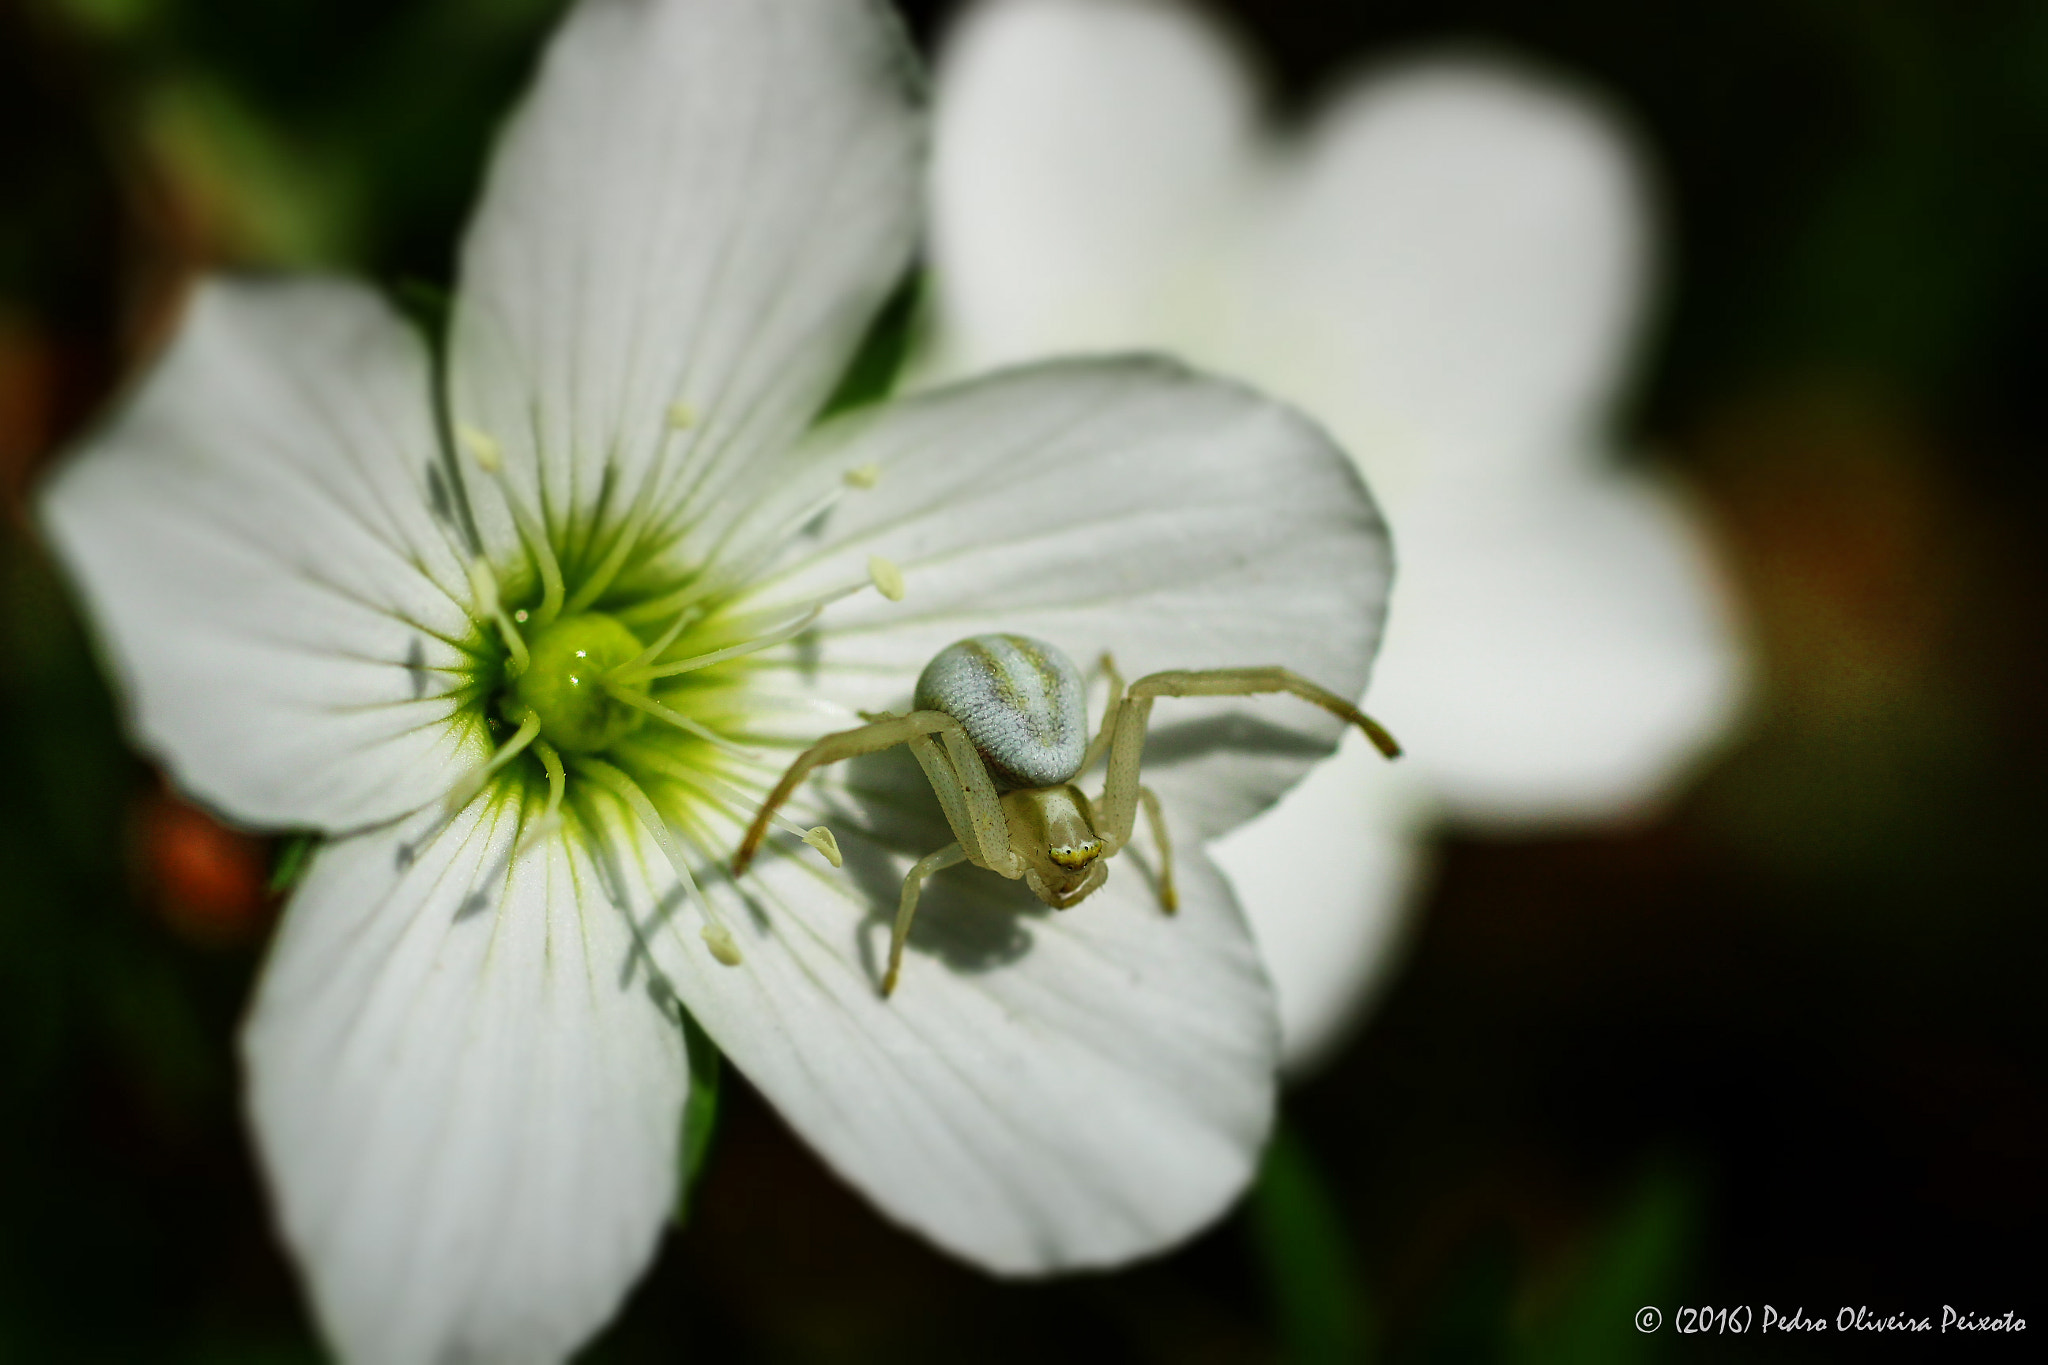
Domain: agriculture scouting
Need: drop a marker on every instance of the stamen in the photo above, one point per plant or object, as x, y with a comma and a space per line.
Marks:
464, 791
863, 475
887, 578
681, 416
551, 814
598, 580
536, 537
673, 717
753, 620
736, 804
482, 448
687, 602
636, 672
747, 566
490, 457
820, 838
663, 641
484, 583
716, 936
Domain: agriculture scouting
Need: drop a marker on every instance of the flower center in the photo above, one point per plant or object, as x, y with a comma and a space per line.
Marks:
565, 685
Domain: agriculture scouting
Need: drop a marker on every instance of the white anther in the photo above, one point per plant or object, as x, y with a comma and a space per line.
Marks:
481, 446
484, 583
681, 416
723, 946
821, 839
887, 578
863, 475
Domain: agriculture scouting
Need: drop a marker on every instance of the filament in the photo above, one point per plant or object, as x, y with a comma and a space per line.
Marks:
675, 718
716, 936
484, 583
551, 814
490, 458
635, 671
735, 802
614, 560
463, 792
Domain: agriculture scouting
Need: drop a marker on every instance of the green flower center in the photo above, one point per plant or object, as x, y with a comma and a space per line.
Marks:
566, 685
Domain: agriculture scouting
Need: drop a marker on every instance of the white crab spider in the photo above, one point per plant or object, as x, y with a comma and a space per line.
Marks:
1012, 714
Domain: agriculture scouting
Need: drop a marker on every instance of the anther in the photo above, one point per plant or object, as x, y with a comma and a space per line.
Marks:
490, 457
681, 416
720, 941
887, 578
820, 838
483, 448
863, 475
484, 583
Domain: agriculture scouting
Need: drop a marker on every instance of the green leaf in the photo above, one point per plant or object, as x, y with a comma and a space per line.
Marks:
1312, 1274
877, 363
294, 852
1638, 1260
427, 306
700, 1110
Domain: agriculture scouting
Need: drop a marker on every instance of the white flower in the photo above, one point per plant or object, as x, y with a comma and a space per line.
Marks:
1447, 269
338, 582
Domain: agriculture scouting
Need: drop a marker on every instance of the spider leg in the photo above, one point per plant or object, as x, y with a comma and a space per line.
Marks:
1127, 746
977, 793
867, 739
1169, 899
906, 909
1110, 706
968, 796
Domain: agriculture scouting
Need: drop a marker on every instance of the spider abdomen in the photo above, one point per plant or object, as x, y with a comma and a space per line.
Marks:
1020, 700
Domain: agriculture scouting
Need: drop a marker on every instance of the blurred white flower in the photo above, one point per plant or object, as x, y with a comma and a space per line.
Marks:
346, 591
1447, 268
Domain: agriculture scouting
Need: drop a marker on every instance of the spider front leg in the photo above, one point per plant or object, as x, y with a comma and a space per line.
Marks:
959, 780
1121, 793
867, 739
968, 796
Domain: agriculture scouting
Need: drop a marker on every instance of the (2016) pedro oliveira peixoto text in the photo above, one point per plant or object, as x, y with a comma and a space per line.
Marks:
1742, 1318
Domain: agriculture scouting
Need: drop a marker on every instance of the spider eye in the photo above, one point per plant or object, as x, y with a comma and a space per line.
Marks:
1071, 856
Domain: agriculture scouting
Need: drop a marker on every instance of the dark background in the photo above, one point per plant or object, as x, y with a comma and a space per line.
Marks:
1784, 1046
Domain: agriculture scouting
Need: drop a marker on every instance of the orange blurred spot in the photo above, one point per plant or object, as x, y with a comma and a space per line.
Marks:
207, 882
28, 381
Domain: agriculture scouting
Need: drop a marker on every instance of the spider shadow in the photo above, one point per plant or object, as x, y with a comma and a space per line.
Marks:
1237, 733
969, 918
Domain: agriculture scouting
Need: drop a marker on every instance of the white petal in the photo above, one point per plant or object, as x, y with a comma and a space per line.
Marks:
683, 238
1085, 153
1126, 506
1557, 653
467, 1094
254, 537
1450, 273
1329, 878
1044, 1091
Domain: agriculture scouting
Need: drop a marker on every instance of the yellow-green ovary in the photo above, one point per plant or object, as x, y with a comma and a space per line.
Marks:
564, 683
